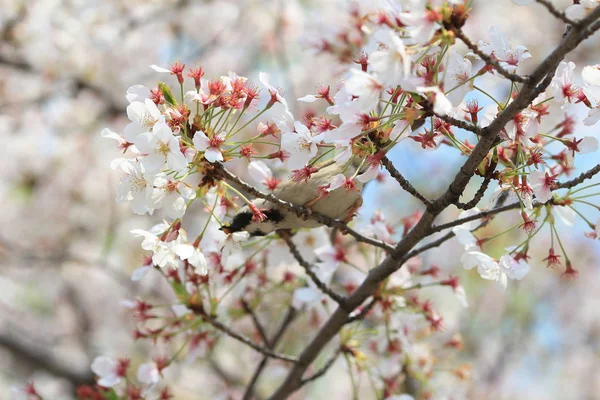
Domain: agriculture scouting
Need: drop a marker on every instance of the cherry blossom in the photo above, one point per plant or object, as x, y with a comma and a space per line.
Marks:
148, 374
261, 173
143, 116
122, 144
542, 185
366, 87
136, 187
499, 47
210, 146
441, 105
563, 87
591, 77
421, 22
107, 370
401, 130
231, 244
392, 64
300, 144
487, 267
163, 253
137, 93
509, 268
171, 195
457, 78
161, 149
276, 96
194, 256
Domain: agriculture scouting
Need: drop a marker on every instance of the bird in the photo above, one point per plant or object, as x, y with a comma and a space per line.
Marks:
340, 203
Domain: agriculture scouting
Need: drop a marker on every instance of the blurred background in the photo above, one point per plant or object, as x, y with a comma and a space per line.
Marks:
66, 253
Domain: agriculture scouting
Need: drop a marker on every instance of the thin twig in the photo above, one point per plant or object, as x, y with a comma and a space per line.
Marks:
406, 185
558, 14
198, 310
362, 313
259, 327
576, 181
309, 271
323, 370
287, 320
461, 124
488, 59
481, 191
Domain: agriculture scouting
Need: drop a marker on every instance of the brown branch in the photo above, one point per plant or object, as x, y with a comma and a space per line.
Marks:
287, 320
481, 191
488, 59
535, 84
482, 214
341, 300
198, 310
300, 210
323, 370
461, 124
259, 327
362, 313
576, 181
42, 357
406, 185
558, 14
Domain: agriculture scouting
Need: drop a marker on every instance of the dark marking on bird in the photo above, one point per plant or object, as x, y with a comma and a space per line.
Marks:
273, 215
239, 222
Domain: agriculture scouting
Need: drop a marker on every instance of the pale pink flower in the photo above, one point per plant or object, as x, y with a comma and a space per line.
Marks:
366, 87
210, 146
301, 145
563, 86
579, 11
541, 183
161, 149
500, 48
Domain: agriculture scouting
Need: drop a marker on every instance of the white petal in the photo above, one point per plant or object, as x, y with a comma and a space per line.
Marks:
212, 154
103, 366
201, 141
140, 273
310, 98
259, 171
137, 93
591, 75
160, 69
593, 117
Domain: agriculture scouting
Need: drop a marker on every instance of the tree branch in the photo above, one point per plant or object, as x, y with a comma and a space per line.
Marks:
287, 320
257, 324
406, 185
341, 300
323, 370
42, 357
461, 124
558, 14
576, 181
481, 191
488, 60
198, 310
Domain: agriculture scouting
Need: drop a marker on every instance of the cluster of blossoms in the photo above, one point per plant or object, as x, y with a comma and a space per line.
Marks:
407, 75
